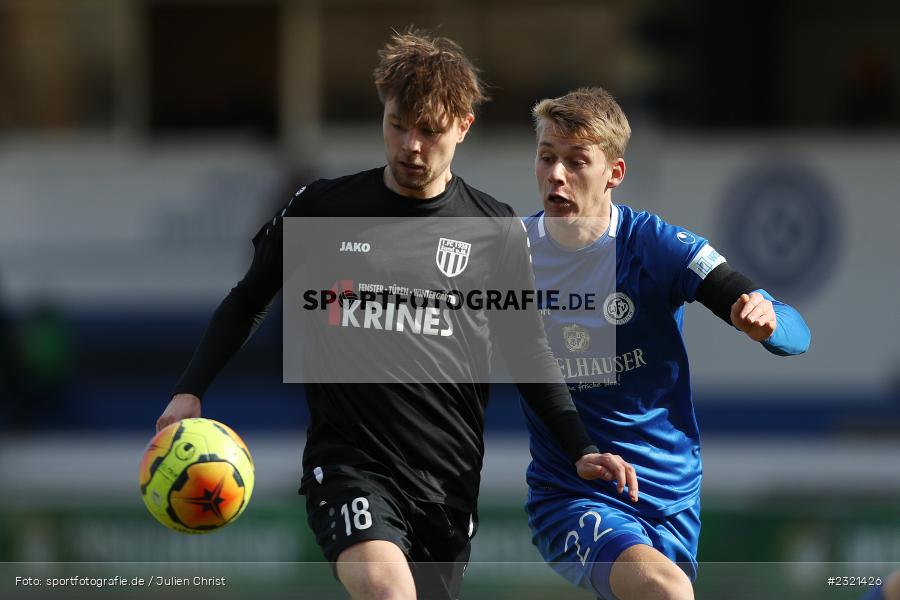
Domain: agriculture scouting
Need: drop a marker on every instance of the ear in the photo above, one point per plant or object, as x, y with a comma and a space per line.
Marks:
618, 173
464, 125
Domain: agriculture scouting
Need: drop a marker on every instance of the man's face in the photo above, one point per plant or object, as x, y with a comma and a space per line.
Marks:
573, 175
419, 151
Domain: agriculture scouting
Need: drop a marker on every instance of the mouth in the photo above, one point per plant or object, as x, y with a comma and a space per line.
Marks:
558, 200
412, 166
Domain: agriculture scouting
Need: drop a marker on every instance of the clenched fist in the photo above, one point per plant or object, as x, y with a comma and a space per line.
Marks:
754, 315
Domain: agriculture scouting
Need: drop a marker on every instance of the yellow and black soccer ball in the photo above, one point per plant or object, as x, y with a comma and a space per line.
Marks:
196, 476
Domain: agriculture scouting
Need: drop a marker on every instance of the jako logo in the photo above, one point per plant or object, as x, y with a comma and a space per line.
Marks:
355, 247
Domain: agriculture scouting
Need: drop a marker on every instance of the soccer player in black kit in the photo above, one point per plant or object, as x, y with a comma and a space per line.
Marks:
391, 470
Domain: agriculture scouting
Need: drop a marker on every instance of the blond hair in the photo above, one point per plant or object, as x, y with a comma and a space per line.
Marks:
588, 113
430, 77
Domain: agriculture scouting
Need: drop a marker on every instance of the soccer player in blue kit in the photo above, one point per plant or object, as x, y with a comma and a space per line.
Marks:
641, 546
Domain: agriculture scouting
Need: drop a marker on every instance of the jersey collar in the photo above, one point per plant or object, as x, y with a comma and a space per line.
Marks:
611, 231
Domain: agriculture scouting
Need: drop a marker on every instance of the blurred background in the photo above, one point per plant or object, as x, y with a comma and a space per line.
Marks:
144, 142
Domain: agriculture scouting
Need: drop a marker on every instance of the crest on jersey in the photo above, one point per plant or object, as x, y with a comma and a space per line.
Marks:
618, 308
576, 337
452, 256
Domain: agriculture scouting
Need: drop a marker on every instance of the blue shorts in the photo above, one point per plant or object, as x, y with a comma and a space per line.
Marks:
580, 537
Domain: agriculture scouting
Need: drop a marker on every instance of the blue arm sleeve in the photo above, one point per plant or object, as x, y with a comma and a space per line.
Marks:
791, 334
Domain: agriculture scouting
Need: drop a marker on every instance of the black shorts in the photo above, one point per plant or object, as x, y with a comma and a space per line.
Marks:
347, 505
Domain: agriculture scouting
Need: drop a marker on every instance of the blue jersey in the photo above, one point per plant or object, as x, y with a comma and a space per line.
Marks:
643, 411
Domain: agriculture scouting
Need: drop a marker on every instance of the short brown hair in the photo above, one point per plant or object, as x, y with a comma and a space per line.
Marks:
429, 76
589, 113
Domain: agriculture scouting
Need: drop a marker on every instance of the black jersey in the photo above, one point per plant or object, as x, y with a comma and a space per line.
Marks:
425, 431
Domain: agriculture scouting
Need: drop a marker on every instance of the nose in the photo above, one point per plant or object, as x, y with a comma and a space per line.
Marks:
412, 142
556, 172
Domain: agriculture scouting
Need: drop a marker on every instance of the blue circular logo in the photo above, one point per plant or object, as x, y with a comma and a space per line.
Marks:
781, 225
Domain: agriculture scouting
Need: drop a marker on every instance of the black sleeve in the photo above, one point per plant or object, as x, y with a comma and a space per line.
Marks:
239, 314
721, 288
523, 343
553, 405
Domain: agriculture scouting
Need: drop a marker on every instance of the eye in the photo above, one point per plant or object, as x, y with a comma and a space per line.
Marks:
577, 163
546, 159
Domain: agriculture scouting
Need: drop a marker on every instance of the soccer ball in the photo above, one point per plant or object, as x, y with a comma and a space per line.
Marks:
196, 476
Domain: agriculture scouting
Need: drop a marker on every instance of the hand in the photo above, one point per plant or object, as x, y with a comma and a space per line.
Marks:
182, 406
608, 467
754, 315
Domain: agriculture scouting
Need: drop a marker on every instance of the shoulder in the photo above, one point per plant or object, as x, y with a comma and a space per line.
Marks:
365, 178
308, 200
312, 200
484, 202
647, 231
641, 225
